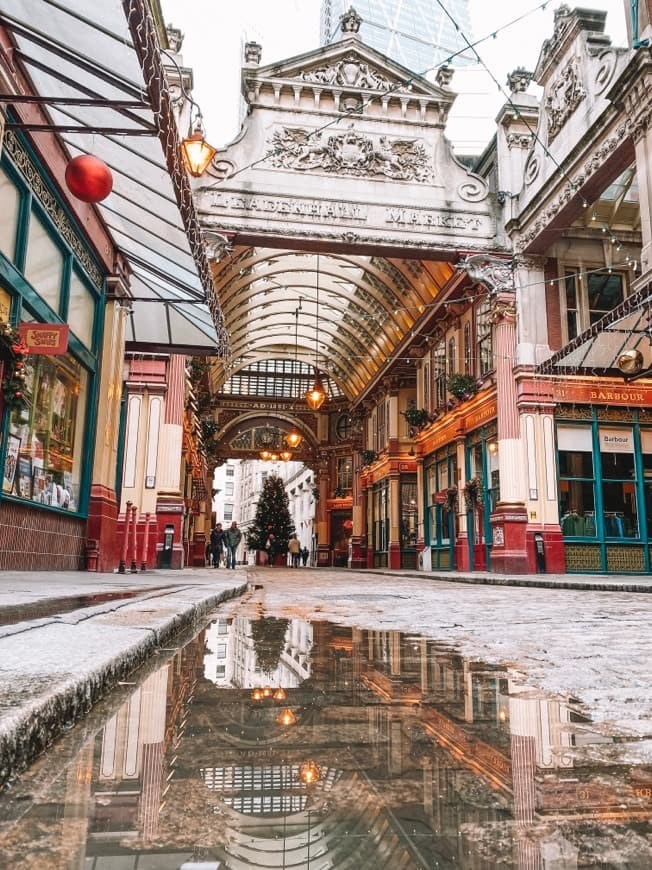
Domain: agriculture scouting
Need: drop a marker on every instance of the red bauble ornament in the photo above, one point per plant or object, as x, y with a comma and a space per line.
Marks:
89, 178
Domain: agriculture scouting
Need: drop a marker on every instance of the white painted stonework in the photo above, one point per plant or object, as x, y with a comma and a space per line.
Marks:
337, 147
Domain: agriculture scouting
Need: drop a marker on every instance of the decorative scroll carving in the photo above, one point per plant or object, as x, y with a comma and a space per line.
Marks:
627, 128
350, 153
518, 140
474, 189
350, 72
216, 245
495, 274
503, 311
565, 94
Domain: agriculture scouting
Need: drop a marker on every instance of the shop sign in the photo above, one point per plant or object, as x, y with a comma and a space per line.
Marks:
480, 416
44, 339
616, 441
440, 497
602, 395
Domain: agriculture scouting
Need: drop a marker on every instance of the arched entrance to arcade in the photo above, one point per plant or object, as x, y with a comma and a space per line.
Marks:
334, 224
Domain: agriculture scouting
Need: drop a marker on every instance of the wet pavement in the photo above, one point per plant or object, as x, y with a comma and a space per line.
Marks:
450, 724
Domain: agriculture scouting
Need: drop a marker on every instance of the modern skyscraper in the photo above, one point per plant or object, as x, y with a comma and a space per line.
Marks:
416, 33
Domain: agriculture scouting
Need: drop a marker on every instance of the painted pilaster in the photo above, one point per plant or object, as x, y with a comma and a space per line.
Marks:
321, 513
394, 555
169, 498
532, 326
509, 552
357, 558
102, 540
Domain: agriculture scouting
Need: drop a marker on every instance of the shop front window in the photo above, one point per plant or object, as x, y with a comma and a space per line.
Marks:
442, 499
576, 482
81, 310
618, 482
408, 513
44, 450
344, 473
44, 263
646, 450
10, 199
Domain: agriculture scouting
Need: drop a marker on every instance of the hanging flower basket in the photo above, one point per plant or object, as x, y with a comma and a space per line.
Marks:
13, 353
417, 417
369, 456
472, 491
462, 386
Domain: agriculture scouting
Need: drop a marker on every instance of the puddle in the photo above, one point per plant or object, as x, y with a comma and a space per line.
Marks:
280, 743
13, 614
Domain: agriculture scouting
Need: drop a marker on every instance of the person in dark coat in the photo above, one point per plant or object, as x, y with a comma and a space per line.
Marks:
304, 556
217, 544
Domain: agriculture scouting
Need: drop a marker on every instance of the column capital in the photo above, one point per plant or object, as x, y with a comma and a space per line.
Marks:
504, 308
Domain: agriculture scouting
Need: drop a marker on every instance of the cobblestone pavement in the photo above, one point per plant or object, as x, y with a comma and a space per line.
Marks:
61, 648
592, 645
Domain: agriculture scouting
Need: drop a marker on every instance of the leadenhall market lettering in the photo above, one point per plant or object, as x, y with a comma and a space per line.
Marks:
440, 220
298, 207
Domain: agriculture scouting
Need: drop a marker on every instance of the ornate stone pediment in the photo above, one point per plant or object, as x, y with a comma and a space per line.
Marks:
349, 72
350, 153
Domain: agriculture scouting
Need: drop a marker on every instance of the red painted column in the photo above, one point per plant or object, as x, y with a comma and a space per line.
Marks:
125, 540
509, 520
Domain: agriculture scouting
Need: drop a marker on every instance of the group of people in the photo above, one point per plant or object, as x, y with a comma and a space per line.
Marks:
223, 544
297, 552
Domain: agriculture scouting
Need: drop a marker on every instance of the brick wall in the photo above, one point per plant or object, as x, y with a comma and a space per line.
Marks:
40, 540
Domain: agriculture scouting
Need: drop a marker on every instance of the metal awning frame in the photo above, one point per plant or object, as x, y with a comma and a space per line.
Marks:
638, 307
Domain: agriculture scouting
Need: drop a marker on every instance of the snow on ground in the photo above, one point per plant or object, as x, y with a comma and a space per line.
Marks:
594, 646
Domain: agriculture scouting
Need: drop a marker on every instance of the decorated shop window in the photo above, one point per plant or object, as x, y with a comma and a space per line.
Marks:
10, 199
576, 483
44, 450
44, 263
619, 515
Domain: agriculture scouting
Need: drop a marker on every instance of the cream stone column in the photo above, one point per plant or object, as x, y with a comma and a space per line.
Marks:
509, 520
102, 544
169, 498
394, 495
321, 514
532, 326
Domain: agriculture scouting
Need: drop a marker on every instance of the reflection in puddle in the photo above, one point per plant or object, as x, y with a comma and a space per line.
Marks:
287, 744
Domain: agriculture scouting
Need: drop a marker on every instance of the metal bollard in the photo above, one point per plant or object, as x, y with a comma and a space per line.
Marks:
134, 566
143, 555
122, 567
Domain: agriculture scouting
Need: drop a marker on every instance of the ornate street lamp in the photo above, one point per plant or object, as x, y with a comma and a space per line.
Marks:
293, 438
196, 151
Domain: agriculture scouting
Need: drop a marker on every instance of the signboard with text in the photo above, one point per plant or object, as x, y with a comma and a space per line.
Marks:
45, 339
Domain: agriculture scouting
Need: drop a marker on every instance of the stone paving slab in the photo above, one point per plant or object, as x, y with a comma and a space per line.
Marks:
53, 669
596, 582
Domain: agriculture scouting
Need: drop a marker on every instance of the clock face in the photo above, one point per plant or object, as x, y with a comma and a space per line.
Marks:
344, 427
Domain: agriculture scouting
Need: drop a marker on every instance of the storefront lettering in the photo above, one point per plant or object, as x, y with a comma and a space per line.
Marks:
308, 208
616, 396
440, 220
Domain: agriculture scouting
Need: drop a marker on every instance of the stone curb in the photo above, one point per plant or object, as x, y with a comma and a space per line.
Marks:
27, 732
500, 580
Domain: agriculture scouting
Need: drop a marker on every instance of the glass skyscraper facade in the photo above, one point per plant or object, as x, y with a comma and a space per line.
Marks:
416, 33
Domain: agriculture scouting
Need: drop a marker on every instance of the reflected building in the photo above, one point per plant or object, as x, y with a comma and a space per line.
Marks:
372, 748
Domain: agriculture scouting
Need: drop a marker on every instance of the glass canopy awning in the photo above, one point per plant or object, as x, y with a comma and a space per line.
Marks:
97, 74
598, 349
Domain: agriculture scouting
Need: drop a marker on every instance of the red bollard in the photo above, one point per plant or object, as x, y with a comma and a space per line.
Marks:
143, 555
125, 541
134, 566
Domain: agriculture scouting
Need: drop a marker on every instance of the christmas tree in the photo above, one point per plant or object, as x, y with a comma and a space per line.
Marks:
272, 521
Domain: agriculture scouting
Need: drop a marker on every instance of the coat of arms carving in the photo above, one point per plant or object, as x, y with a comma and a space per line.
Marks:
349, 72
351, 153
564, 96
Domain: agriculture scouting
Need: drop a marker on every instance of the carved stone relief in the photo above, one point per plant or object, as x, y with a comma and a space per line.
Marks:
494, 273
349, 72
564, 96
350, 153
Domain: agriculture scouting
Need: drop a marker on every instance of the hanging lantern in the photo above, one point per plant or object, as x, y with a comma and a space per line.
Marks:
196, 151
309, 772
287, 717
257, 695
273, 457
317, 395
265, 455
293, 438
88, 178
268, 692
286, 455
280, 694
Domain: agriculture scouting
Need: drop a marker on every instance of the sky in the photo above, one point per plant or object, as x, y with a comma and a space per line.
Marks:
215, 31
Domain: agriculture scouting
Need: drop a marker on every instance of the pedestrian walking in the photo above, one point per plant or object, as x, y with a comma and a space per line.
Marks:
294, 549
232, 538
304, 556
270, 549
217, 543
